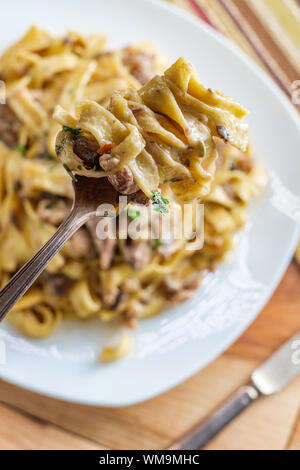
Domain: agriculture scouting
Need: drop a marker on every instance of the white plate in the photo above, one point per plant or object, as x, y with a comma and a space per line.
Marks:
175, 345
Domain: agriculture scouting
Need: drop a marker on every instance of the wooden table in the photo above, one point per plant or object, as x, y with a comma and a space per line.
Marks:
31, 421
271, 423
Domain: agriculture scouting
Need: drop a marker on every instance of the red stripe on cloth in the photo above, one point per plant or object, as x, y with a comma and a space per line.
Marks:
199, 11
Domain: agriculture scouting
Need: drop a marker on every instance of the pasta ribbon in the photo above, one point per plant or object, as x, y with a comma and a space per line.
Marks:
38, 321
82, 300
163, 131
128, 118
120, 350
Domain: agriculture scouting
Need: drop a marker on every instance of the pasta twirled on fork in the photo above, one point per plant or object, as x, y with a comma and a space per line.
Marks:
160, 132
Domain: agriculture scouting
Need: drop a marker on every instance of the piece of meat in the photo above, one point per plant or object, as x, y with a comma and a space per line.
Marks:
123, 181
105, 248
108, 162
109, 296
9, 126
138, 254
140, 198
133, 312
172, 284
59, 284
53, 211
182, 290
86, 149
131, 285
229, 190
140, 64
81, 245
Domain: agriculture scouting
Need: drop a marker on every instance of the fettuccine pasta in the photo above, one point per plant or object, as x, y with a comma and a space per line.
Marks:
161, 133
151, 130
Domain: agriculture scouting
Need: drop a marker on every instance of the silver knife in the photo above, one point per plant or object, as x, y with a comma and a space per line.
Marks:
270, 377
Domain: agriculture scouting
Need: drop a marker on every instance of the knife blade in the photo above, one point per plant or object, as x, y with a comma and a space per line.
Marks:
269, 378
279, 369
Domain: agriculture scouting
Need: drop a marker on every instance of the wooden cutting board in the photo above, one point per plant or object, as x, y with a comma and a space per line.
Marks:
271, 423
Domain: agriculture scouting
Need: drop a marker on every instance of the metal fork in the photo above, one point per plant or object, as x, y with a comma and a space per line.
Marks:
89, 194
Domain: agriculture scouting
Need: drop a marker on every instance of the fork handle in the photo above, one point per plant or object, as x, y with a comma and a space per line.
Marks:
203, 432
26, 276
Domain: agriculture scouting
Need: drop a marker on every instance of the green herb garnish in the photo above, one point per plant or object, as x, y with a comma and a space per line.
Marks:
79, 167
75, 132
70, 172
159, 202
50, 205
157, 243
21, 149
133, 213
45, 156
58, 148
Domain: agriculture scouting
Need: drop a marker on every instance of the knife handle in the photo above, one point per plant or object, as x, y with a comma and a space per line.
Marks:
203, 432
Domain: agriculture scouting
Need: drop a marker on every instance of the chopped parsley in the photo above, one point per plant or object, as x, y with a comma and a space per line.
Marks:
58, 148
45, 156
49, 206
21, 149
133, 213
157, 243
159, 202
75, 132
79, 167
70, 172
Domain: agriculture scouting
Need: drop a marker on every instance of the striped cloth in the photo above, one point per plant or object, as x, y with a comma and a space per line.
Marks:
267, 30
